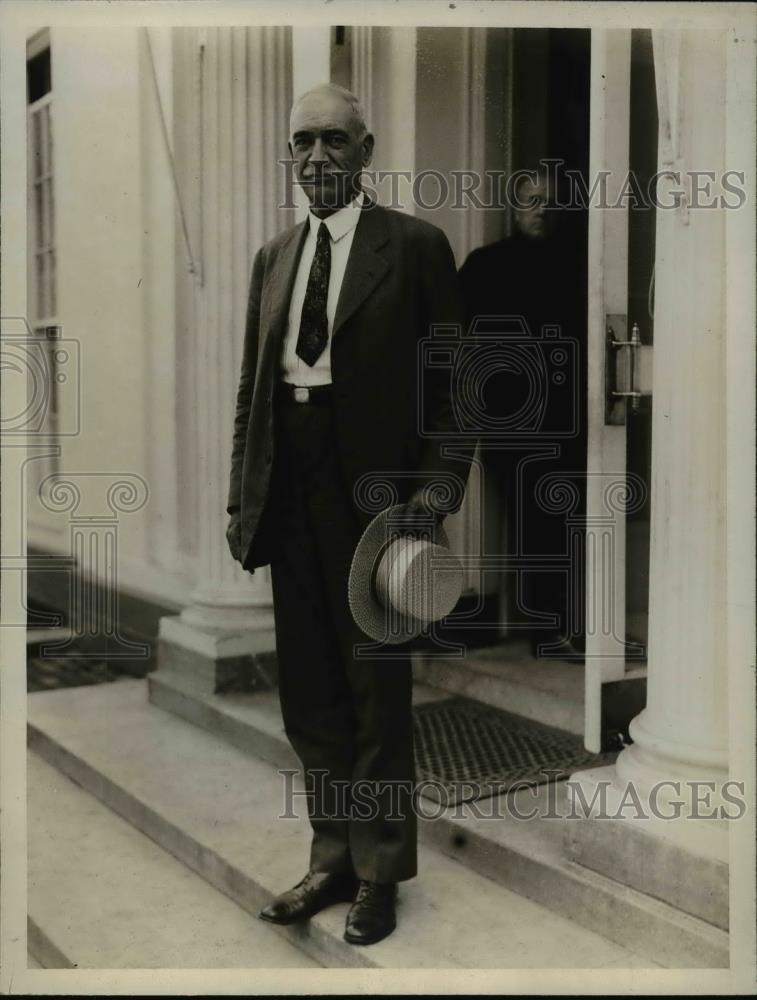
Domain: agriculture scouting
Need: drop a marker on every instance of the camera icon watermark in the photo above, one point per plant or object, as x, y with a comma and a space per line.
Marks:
41, 375
540, 372
50, 366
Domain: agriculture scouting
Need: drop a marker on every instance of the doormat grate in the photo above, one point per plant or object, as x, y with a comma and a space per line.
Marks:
46, 673
460, 742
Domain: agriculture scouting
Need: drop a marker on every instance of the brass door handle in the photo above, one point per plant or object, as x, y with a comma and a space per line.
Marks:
622, 370
631, 349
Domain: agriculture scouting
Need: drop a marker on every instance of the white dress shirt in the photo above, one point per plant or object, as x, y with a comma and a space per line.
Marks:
341, 226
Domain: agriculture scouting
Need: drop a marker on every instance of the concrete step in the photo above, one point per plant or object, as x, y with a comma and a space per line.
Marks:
508, 677
135, 906
36, 636
218, 810
527, 857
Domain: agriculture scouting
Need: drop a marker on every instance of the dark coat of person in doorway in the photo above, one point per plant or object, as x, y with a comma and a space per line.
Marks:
538, 274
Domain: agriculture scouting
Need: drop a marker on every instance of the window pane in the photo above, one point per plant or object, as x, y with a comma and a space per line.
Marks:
52, 292
45, 213
39, 235
36, 144
45, 114
51, 211
38, 76
41, 285
50, 160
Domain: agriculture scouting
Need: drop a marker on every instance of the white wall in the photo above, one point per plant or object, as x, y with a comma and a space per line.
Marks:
115, 220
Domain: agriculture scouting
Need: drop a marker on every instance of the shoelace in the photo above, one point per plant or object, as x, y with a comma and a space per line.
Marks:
371, 892
305, 882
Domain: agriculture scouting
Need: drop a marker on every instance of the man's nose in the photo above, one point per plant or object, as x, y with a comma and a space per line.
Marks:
318, 152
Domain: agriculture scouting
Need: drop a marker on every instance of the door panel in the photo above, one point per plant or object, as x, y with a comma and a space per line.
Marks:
607, 487
643, 150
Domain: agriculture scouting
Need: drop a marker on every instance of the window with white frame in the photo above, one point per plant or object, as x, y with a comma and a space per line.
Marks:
42, 191
42, 286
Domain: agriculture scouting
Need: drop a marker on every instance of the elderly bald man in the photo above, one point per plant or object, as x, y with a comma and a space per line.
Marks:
329, 394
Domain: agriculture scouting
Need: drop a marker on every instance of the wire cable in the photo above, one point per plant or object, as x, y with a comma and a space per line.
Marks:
169, 153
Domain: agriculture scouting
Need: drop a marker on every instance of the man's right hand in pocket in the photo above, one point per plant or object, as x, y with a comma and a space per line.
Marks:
234, 535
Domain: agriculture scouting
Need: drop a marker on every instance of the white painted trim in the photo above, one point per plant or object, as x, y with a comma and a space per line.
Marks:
13, 399
606, 445
38, 42
40, 102
740, 380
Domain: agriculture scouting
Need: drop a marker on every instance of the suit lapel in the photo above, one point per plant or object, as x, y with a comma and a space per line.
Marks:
282, 281
365, 269
365, 266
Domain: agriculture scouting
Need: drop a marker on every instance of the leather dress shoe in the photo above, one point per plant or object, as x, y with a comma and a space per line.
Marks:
313, 893
372, 916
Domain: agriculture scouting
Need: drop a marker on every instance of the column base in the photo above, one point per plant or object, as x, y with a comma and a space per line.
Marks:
681, 861
220, 660
231, 612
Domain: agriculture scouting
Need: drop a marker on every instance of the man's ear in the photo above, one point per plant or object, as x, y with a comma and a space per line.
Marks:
367, 149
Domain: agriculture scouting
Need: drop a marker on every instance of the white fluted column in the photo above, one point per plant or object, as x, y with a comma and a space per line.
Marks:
362, 69
384, 65
311, 66
663, 826
682, 733
245, 85
242, 81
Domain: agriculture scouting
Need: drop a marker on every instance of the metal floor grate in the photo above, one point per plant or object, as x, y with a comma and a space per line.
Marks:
460, 742
45, 673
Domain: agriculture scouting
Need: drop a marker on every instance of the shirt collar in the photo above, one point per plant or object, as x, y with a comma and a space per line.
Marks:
342, 221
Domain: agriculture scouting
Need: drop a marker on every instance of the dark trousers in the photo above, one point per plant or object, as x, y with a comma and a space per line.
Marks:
348, 718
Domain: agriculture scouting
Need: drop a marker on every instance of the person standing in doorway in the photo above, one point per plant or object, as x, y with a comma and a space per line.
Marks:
538, 274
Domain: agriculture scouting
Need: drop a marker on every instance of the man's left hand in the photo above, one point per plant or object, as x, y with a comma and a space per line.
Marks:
418, 506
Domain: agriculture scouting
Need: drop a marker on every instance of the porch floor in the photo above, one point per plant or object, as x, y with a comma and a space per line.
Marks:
217, 809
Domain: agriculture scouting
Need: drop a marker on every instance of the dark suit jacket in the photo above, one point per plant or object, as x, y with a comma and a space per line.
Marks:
400, 279
543, 280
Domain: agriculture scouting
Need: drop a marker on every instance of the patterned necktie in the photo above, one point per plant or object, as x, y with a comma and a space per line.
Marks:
314, 324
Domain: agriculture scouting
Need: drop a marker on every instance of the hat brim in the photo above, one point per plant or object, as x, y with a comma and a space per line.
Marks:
368, 612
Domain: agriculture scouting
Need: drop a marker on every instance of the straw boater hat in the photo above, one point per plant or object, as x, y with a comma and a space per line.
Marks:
403, 577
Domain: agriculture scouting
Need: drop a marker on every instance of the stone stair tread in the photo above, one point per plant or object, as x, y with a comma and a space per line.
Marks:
228, 802
506, 676
560, 676
526, 856
518, 666
108, 897
261, 712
